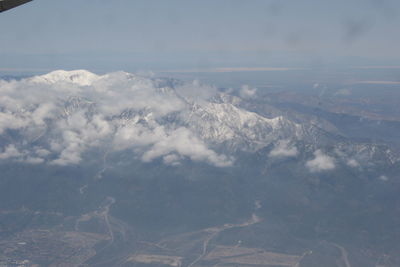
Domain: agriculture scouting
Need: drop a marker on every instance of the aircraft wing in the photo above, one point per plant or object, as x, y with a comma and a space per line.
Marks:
8, 4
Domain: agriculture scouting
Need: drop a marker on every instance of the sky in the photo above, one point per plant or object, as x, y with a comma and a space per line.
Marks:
134, 35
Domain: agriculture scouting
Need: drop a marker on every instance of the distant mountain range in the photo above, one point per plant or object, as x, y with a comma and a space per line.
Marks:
65, 113
130, 170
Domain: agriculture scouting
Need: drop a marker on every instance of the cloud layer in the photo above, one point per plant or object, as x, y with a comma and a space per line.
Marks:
58, 117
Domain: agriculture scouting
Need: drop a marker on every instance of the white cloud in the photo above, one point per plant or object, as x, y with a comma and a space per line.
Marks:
9, 121
196, 91
247, 92
186, 144
343, 92
41, 152
74, 145
42, 112
172, 159
353, 163
321, 162
69, 113
10, 152
283, 149
33, 160
384, 178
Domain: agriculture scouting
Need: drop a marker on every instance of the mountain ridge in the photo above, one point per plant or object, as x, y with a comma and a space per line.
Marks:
135, 112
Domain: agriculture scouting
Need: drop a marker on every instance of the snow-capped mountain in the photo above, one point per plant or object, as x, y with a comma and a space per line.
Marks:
224, 123
57, 117
79, 77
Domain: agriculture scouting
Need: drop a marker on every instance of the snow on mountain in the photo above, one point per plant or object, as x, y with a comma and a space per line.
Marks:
79, 77
223, 123
68, 113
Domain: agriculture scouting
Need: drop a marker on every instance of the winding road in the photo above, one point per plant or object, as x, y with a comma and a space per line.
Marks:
215, 231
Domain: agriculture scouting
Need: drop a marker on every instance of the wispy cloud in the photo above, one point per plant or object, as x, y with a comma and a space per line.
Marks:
378, 82
247, 92
10, 152
353, 163
237, 69
383, 178
284, 149
321, 162
377, 67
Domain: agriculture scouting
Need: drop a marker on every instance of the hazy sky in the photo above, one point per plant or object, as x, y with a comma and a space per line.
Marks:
175, 34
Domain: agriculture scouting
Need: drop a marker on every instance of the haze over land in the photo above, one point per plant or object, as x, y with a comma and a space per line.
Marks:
239, 133
140, 170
